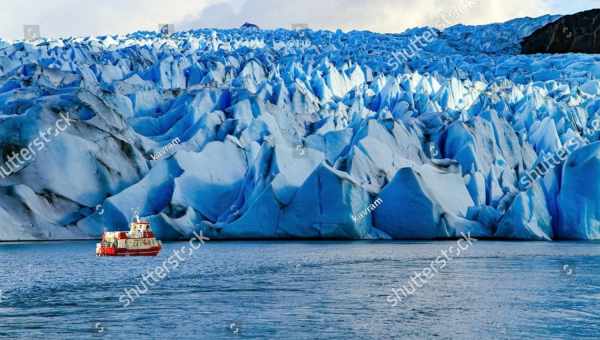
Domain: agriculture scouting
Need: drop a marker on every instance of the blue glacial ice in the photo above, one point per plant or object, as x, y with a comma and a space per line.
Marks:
291, 134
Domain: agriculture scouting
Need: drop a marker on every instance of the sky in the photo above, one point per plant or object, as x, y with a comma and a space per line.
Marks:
62, 18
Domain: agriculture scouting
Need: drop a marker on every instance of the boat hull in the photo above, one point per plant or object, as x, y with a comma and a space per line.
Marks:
122, 252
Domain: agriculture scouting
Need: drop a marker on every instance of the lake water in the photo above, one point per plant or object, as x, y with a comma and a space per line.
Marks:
303, 290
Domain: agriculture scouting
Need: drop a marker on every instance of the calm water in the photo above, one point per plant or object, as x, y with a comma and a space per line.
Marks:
302, 290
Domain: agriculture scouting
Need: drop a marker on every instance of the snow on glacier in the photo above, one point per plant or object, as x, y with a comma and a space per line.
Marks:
289, 134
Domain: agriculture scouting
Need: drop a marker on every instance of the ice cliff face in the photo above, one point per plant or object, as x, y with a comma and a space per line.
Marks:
281, 134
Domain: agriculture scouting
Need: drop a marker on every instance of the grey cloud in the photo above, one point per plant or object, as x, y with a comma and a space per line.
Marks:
375, 15
94, 17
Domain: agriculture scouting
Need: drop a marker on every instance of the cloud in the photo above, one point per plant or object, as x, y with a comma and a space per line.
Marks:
374, 15
95, 17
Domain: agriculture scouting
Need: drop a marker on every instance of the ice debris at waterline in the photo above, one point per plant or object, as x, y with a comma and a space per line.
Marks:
284, 134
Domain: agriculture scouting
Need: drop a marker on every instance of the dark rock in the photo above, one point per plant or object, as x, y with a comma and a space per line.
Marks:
577, 33
250, 26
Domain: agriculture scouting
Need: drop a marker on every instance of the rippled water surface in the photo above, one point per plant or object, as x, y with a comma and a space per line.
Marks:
303, 290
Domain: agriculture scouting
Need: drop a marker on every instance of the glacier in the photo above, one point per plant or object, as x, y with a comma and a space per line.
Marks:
290, 134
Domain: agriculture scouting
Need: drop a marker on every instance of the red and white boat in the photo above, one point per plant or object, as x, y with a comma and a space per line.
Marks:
139, 241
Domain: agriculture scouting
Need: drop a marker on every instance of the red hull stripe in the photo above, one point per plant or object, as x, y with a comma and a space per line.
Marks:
129, 252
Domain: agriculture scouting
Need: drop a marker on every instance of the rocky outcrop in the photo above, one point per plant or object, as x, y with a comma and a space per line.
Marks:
577, 33
249, 25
